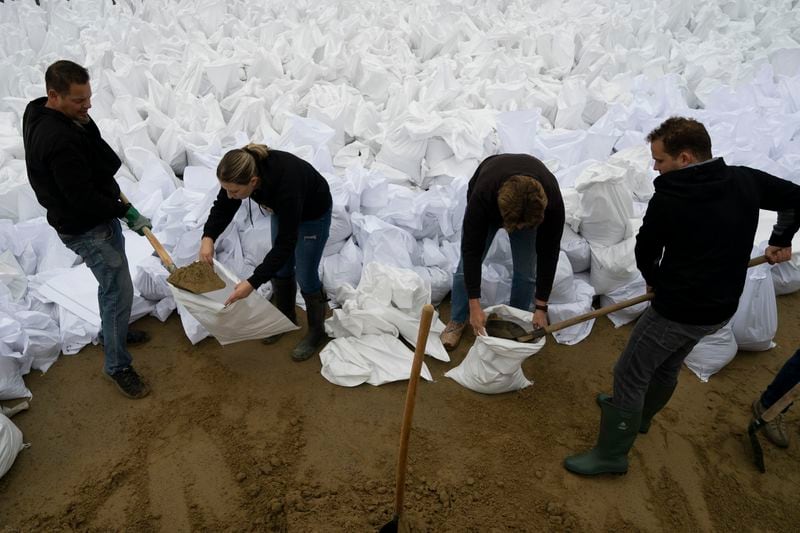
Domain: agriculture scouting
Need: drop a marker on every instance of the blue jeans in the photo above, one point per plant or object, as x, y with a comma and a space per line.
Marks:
311, 238
103, 250
654, 353
788, 376
523, 281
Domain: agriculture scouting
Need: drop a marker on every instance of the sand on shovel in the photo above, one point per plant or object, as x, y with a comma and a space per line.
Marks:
199, 277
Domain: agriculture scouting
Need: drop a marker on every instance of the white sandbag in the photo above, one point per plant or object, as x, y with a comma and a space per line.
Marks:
712, 353
613, 266
44, 338
577, 250
342, 267
494, 365
630, 290
606, 204
584, 293
253, 317
10, 444
12, 276
12, 386
785, 276
151, 279
637, 162
563, 290
373, 359
75, 332
357, 323
439, 279
756, 319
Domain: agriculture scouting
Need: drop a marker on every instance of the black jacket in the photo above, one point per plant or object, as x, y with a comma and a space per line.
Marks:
483, 214
293, 190
697, 236
71, 169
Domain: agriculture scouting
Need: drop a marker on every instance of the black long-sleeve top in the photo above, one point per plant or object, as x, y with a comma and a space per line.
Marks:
483, 215
293, 190
71, 169
697, 235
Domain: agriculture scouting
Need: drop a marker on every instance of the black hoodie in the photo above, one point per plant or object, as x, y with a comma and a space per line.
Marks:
697, 236
71, 169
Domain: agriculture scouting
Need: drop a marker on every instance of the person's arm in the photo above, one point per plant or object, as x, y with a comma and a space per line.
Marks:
784, 197
222, 212
650, 243
69, 166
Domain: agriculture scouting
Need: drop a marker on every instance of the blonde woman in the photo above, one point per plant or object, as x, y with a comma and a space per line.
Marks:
300, 201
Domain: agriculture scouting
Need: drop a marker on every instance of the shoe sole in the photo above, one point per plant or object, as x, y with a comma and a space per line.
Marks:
122, 391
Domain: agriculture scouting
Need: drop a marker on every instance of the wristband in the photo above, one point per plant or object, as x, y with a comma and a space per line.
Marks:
539, 307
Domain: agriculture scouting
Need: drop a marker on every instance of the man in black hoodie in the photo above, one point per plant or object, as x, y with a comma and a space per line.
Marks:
693, 250
71, 169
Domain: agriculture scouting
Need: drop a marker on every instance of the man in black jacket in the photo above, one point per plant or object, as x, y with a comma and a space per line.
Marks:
693, 250
518, 193
71, 169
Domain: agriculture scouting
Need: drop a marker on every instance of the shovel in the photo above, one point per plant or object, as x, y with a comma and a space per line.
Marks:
198, 278
768, 416
497, 327
398, 522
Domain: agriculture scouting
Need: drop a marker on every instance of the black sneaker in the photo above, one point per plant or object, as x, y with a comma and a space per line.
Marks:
130, 384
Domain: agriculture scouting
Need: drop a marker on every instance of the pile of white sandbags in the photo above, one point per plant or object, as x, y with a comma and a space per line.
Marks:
396, 115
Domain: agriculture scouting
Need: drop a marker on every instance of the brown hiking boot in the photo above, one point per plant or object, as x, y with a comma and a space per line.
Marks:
774, 430
451, 335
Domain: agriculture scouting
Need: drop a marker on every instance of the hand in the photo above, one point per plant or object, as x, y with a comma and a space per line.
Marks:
778, 254
242, 290
136, 221
649, 288
207, 250
539, 319
477, 318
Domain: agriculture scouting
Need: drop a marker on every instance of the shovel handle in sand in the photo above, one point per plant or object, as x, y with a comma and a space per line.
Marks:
766, 417
602, 311
169, 264
396, 524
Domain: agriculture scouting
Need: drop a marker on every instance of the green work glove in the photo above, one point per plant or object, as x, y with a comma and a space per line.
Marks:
136, 221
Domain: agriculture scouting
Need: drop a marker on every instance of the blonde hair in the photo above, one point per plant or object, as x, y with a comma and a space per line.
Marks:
241, 164
522, 202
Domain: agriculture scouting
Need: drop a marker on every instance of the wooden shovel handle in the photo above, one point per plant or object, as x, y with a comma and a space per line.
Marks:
408, 412
154, 242
602, 311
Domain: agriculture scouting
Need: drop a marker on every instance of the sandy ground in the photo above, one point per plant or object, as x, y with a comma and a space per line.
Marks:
241, 438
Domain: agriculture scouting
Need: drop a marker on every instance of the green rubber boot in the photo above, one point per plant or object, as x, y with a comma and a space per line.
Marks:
655, 399
284, 292
618, 431
316, 306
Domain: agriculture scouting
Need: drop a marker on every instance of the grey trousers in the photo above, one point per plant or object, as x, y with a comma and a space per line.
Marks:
654, 353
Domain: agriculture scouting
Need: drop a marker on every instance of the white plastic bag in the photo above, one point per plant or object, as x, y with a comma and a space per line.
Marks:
756, 319
253, 317
494, 365
712, 353
10, 444
12, 386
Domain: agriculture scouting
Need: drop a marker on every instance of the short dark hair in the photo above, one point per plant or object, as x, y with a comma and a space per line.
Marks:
680, 134
63, 73
522, 202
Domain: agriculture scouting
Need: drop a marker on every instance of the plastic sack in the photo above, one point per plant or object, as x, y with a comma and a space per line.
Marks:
712, 353
563, 290
249, 318
613, 266
756, 319
12, 386
577, 250
494, 366
786, 276
373, 359
10, 444
606, 204
626, 292
584, 293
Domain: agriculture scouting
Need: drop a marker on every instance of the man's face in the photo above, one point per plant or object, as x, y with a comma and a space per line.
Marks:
664, 162
75, 103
